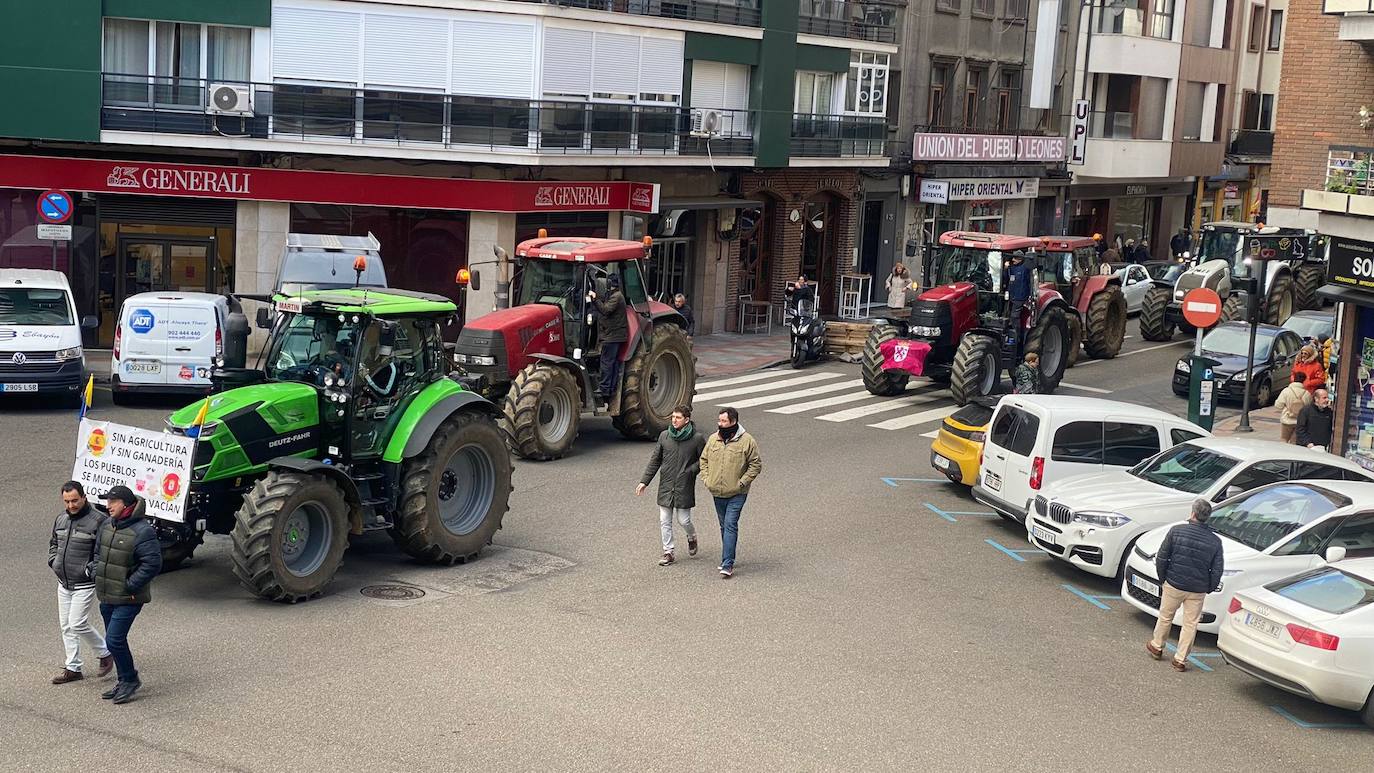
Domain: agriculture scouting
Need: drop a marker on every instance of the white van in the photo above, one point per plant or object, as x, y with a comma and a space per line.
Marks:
40, 340
167, 342
1033, 439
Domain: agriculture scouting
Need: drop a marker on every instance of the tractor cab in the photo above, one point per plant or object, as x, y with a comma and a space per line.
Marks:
1067, 261
987, 262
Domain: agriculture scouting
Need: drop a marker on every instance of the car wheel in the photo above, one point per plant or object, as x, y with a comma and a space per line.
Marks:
1367, 713
1264, 393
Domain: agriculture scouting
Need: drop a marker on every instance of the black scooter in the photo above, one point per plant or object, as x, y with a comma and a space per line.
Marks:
805, 325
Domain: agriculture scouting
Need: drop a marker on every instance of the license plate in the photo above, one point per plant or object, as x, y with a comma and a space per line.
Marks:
1044, 535
1145, 585
940, 462
18, 387
992, 480
142, 367
1263, 625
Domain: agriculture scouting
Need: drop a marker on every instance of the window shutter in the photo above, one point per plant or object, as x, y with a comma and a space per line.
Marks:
492, 59
616, 67
405, 51
567, 61
309, 44
708, 83
661, 66
736, 87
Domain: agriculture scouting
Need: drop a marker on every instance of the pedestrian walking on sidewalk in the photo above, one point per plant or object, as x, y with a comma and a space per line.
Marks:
676, 460
127, 558
1316, 422
1290, 402
70, 548
1189, 565
730, 463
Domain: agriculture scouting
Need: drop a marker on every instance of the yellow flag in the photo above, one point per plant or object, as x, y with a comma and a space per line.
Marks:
90, 391
204, 409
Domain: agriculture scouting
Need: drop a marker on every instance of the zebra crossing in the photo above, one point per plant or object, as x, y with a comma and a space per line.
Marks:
837, 396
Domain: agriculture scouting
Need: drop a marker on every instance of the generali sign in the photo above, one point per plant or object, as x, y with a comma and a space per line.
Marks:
348, 188
988, 147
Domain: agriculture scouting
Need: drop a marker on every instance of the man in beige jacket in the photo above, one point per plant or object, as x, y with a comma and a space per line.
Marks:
729, 464
1290, 403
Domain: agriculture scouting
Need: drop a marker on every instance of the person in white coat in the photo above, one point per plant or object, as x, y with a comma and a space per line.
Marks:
1290, 403
898, 282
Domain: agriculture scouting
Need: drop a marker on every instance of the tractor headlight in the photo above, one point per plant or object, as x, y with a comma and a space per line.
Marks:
73, 353
329, 380
463, 358
483, 359
929, 331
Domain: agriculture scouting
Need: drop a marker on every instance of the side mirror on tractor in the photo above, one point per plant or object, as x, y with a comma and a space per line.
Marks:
264, 318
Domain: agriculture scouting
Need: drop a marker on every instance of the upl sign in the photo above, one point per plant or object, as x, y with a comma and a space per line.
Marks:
1078, 136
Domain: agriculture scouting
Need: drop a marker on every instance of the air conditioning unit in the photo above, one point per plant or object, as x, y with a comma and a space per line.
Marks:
705, 123
230, 99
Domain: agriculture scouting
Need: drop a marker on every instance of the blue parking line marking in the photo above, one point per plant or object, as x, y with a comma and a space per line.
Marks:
940, 512
1089, 597
1013, 552
1305, 725
1194, 657
948, 515
893, 481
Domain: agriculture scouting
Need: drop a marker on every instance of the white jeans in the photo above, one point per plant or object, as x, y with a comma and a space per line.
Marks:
75, 608
665, 522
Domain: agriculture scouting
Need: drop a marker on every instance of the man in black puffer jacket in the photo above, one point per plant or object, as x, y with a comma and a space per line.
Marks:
127, 558
1189, 564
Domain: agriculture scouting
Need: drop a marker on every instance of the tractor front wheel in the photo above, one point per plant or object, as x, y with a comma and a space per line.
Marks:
1075, 339
1279, 304
1106, 324
455, 493
542, 412
1308, 279
1232, 308
289, 536
884, 383
1153, 325
657, 380
976, 371
1050, 338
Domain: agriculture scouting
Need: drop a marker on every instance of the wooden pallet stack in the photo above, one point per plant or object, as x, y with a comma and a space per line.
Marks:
845, 337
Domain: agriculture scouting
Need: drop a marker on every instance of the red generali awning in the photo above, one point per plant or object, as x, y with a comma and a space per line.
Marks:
148, 178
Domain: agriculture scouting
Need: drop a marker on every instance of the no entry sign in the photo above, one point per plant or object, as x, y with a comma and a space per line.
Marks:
55, 207
1202, 307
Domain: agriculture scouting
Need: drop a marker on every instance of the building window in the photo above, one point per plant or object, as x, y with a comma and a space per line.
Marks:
1199, 32
1016, 10
973, 97
1193, 99
1008, 100
865, 91
814, 93
1256, 27
948, 6
1275, 30
985, 217
985, 8
168, 63
937, 113
1265, 121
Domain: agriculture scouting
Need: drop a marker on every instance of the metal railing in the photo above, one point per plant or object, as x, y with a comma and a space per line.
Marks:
1252, 142
744, 13
873, 22
838, 136
1348, 170
1133, 18
320, 113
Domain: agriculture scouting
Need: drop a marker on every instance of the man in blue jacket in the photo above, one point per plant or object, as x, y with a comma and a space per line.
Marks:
127, 558
1189, 566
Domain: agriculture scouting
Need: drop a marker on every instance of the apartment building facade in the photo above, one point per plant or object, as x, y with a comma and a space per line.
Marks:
195, 136
1242, 191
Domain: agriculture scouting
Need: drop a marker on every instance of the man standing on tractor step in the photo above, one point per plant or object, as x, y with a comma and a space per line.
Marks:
612, 330
70, 549
730, 463
676, 460
127, 558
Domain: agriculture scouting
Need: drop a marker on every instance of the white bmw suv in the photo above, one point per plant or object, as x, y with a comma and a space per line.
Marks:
1092, 521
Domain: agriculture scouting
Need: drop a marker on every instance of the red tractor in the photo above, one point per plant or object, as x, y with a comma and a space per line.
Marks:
1070, 264
539, 360
967, 325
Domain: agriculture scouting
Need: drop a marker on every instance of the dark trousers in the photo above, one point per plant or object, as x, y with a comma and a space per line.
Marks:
610, 366
119, 618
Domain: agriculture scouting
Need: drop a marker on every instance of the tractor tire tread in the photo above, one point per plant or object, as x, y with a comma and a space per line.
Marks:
636, 420
1153, 326
967, 373
1106, 324
876, 380
251, 536
519, 421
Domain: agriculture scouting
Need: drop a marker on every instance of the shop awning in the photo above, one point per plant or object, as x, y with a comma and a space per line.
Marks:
1345, 295
707, 202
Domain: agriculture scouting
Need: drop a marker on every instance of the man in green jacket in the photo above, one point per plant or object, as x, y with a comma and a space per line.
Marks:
676, 460
729, 464
127, 558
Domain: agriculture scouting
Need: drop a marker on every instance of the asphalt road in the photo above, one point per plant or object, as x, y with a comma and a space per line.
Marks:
863, 630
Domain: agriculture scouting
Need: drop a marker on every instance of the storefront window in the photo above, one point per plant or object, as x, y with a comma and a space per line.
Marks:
1359, 399
152, 257
1133, 216
985, 216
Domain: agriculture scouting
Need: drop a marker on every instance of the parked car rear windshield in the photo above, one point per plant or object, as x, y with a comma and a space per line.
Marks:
1270, 514
1327, 589
34, 306
1185, 468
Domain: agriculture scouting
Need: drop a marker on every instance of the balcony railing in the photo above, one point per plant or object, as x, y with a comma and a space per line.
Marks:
744, 13
873, 22
1134, 18
1348, 171
1252, 142
838, 136
368, 116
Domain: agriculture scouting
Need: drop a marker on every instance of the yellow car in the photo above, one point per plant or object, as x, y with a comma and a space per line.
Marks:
958, 450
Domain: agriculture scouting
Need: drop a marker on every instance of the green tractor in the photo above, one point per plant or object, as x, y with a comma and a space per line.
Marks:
353, 425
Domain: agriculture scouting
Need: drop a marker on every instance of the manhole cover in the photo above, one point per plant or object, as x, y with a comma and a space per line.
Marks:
393, 592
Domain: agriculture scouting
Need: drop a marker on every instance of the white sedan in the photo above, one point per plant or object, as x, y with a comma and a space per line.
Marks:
1092, 520
1311, 634
1266, 534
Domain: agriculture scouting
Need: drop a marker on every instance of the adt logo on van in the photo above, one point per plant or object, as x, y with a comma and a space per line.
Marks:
141, 321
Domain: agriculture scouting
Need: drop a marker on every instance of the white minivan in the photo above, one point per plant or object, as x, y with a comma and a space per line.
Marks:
1033, 439
40, 340
167, 342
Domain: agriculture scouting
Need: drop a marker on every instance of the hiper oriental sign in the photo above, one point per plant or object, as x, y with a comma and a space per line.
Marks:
975, 189
155, 465
988, 147
310, 187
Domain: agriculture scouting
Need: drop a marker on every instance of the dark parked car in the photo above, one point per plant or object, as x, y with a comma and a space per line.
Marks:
1275, 350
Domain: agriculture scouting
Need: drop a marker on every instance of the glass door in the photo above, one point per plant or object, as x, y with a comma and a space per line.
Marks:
152, 264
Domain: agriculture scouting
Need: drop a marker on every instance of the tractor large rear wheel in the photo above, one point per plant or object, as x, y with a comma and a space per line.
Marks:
658, 379
289, 536
1233, 308
885, 383
1106, 324
977, 370
541, 412
1153, 325
455, 493
1307, 280
1279, 304
1075, 340
1050, 339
